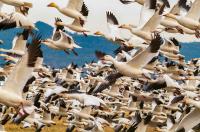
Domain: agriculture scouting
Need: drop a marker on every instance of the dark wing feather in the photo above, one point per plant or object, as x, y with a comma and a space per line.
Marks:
111, 18
59, 27
126, 1
30, 81
110, 80
7, 24
34, 50
84, 10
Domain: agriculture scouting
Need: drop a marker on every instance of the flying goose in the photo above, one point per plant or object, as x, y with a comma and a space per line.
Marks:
142, 2
16, 20
11, 92
146, 31
191, 19
77, 25
114, 34
19, 44
17, 3
132, 68
73, 9
63, 42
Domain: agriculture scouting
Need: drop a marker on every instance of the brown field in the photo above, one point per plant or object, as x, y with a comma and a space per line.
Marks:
59, 127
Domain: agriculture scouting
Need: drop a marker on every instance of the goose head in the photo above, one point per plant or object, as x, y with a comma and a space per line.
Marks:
47, 41
127, 26
54, 5
170, 15
98, 33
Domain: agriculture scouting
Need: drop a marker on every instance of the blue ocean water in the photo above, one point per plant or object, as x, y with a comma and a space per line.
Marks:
89, 44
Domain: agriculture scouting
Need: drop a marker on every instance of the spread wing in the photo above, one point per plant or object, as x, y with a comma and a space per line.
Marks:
75, 4
194, 11
24, 68
143, 58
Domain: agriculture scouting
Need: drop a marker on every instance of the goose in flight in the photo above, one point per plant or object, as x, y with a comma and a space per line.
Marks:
142, 2
17, 3
132, 68
114, 34
62, 42
146, 31
19, 44
11, 92
16, 20
76, 25
191, 19
72, 10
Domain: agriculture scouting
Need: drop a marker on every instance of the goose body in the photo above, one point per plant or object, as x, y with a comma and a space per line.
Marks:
16, 20
11, 92
71, 10
16, 3
63, 42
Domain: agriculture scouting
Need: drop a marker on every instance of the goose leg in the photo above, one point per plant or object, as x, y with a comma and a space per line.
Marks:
66, 52
179, 30
85, 34
197, 33
75, 53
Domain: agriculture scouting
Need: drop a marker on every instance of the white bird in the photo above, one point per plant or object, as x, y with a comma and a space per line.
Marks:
17, 3
72, 9
62, 42
17, 20
11, 92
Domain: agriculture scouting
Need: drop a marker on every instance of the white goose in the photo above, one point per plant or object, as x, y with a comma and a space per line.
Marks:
19, 44
72, 9
63, 42
146, 31
11, 92
17, 3
191, 19
132, 68
77, 25
114, 33
17, 20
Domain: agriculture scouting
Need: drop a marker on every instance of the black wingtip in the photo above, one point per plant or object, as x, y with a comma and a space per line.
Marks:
111, 18
177, 99
156, 43
59, 27
183, 4
126, 1
34, 50
99, 54
84, 10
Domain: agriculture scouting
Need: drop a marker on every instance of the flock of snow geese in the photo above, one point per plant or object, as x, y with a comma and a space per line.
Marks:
148, 86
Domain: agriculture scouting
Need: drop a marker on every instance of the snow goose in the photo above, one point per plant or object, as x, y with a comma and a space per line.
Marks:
189, 121
11, 92
146, 31
77, 25
72, 9
16, 20
132, 68
63, 42
17, 3
142, 2
86, 100
191, 19
19, 44
114, 34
